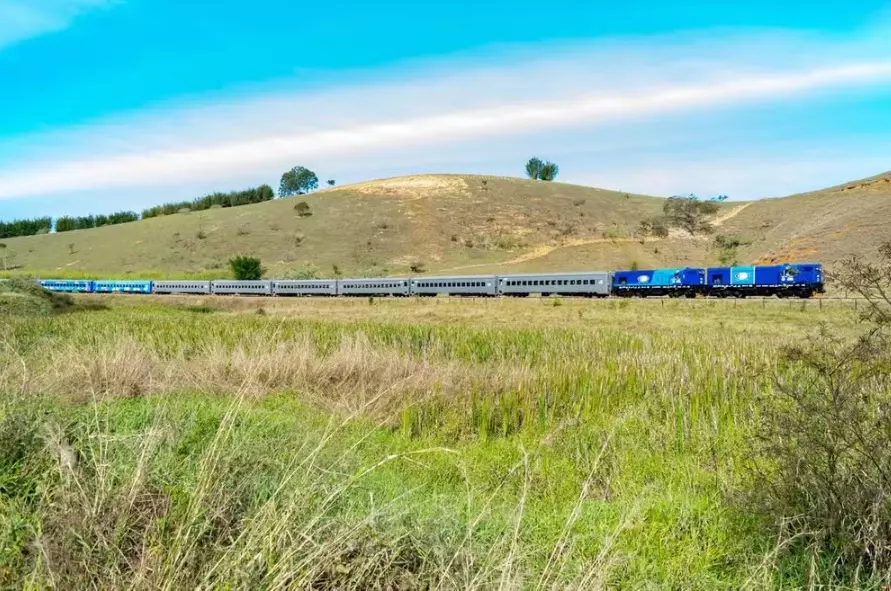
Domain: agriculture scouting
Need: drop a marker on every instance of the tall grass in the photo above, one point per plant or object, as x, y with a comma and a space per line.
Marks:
246, 451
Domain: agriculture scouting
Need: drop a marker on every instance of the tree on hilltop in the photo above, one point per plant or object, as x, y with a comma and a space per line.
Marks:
538, 170
533, 168
549, 171
298, 181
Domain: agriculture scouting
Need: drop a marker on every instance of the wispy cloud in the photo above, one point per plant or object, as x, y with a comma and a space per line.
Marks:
23, 19
434, 108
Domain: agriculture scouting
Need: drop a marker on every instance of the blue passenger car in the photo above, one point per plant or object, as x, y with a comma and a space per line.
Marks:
657, 282
66, 285
122, 286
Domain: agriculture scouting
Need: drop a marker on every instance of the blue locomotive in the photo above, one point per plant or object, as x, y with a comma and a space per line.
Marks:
801, 280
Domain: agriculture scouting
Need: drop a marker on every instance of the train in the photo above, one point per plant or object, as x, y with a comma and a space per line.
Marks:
802, 280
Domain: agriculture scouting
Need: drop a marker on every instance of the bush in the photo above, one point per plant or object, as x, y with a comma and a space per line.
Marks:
23, 297
303, 209
417, 267
823, 445
246, 268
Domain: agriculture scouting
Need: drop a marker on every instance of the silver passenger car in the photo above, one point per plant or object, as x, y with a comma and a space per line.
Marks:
309, 287
382, 286
470, 285
594, 283
198, 287
241, 287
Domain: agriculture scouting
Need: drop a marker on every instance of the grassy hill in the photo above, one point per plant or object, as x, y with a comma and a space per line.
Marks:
452, 223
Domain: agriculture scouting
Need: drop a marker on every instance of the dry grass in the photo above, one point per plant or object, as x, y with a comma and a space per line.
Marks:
354, 379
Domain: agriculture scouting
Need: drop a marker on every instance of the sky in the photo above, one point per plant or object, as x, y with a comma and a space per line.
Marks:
108, 105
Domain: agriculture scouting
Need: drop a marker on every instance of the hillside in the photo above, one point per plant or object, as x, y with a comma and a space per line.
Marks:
454, 223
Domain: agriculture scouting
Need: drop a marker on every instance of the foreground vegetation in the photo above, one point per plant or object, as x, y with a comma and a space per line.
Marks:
216, 442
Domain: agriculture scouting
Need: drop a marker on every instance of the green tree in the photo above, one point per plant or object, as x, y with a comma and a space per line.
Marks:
549, 171
3, 255
246, 268
331, 182
538, 170
533, 168
690, 213
298, 181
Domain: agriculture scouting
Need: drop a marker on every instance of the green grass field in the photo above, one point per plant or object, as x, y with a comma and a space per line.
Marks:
249, 443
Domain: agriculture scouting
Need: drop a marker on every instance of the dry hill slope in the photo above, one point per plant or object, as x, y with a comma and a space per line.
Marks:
454, 223
828, 225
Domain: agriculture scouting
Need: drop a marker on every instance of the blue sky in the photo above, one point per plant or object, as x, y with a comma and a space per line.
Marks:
121, 104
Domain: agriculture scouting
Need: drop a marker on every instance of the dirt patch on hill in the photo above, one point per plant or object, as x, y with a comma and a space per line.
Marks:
414, 187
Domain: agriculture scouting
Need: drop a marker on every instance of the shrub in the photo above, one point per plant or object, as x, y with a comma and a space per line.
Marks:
303, 209
417, 267
658, 228
246, 268
823, 446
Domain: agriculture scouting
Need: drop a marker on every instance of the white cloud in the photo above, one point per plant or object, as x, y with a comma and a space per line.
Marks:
450, 111
24, 19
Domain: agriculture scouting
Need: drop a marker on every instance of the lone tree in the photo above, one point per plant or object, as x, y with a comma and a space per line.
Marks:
246, 268
549, 171
331, 182
538, 170
533, 168
691, 213
297, 181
